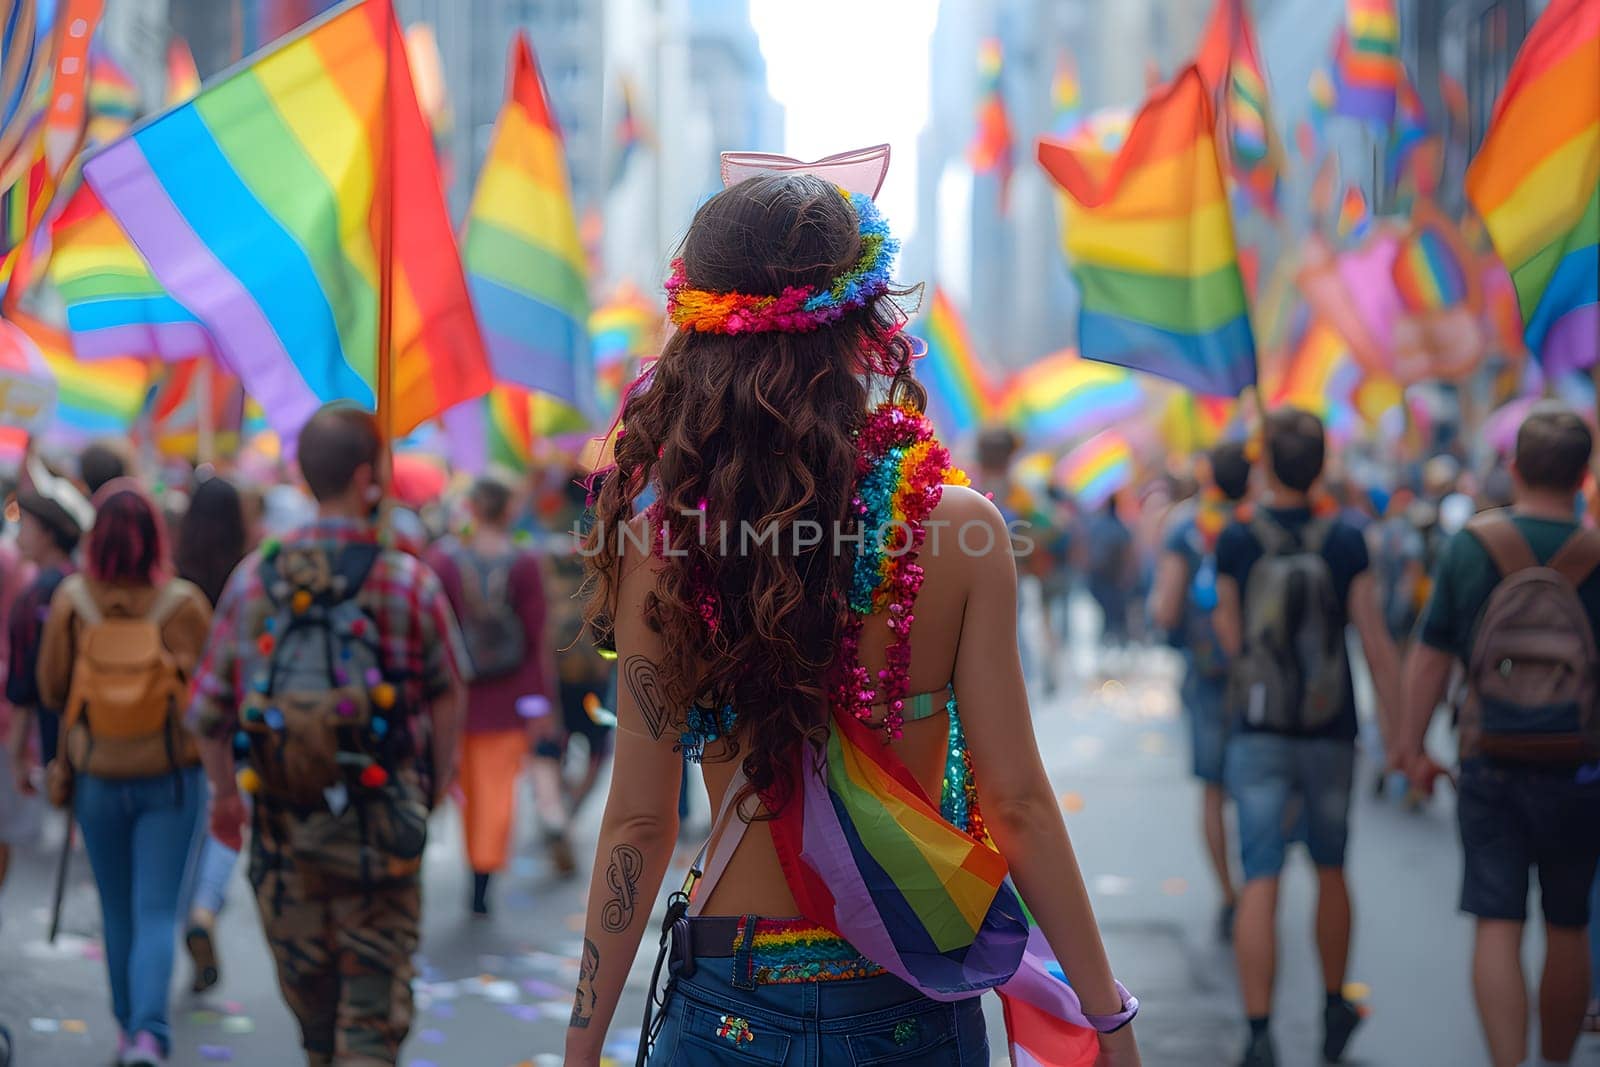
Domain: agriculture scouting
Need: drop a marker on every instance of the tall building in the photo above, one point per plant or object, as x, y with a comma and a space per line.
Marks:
700, 88
474, 38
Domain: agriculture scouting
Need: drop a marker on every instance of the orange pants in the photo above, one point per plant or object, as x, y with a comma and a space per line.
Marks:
490, 763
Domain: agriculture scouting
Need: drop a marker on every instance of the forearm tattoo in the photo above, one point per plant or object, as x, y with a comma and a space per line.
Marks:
627, 865
583, 1000
643, 681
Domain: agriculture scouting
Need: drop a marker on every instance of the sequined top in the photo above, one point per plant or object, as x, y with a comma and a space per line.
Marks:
957, 796
784, 951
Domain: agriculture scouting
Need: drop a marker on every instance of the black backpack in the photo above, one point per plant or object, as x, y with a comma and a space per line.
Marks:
1292, 675
497, 642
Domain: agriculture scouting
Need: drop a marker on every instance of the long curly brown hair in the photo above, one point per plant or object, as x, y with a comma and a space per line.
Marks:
757, 429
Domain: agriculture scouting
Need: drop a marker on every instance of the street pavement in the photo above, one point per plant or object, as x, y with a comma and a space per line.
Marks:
497, 993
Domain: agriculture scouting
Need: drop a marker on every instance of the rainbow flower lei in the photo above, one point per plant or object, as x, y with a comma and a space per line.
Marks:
799, 308
901, 472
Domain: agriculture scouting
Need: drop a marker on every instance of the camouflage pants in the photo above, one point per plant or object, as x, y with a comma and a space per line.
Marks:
344, 964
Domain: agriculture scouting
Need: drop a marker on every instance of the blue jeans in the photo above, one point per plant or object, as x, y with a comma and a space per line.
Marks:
1594, 939
213, 869
1287, 787
810, 1024
139, 833
1205, 701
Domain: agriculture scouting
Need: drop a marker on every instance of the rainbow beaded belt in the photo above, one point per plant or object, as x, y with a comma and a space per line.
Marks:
781, 951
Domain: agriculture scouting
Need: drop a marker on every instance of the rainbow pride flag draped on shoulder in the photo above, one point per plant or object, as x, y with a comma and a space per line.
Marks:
868, 856
1536, 184
280, 206
1150, 239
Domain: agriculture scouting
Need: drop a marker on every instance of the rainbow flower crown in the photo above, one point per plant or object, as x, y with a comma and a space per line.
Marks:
799, 308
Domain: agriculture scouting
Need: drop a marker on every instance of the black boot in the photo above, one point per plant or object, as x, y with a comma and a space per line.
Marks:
480, 894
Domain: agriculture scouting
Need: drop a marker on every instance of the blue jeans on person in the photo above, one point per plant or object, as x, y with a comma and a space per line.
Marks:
139, 833
706, 1020
1205, 702
213, 869
1594, 939
1285, 789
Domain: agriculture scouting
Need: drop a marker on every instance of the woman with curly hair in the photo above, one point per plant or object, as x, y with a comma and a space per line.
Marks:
800, 609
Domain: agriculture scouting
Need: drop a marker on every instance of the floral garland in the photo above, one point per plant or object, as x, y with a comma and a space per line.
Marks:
799, 308
901, 472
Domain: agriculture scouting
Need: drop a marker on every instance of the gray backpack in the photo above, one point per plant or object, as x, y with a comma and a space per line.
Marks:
1292, 676
1533, 677
497, 642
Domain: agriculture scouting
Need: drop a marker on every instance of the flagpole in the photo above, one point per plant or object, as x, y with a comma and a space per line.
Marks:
385, 195
205, 423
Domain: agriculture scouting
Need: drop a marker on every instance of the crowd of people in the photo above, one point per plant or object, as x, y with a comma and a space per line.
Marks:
306, 693
309, 682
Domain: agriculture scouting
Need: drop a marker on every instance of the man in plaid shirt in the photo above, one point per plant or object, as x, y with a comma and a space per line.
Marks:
343, 951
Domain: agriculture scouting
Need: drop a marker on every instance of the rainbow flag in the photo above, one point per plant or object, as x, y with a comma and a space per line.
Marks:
1536, 184
1229, 61
1366, 63
625, 329
1324, 378
631, 133
1066, 96
115, 305
265, 206
1354, 220
1323, 98
100, 399
1096, 469
183, 79
1150, 238
1432, 268
992, 145
868, 855
1064, 396
113, 98
175, 409
1410, 132
26, 43
960, 395
525, 262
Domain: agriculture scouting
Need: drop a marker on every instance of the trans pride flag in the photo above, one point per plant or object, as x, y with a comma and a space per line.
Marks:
275, 207
1150, 240
1536, 184
524, 259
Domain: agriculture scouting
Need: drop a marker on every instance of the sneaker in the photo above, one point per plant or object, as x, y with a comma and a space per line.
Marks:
1260, 1052
203, 951
144, 1052
1339, 1022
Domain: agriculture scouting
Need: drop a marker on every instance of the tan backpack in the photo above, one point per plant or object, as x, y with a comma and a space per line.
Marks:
1533, 678
124, 714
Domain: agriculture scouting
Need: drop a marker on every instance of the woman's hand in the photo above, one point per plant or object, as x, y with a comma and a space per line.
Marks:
1118, 1049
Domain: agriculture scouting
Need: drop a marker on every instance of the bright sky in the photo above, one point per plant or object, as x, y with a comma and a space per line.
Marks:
852, 73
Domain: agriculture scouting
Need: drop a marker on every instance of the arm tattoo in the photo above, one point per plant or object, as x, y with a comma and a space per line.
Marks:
645, 686
583, 1002
627, 865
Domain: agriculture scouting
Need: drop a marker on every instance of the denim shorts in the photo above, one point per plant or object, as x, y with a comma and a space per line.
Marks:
1205, 702
1516, 818
1289, 787
856, 1021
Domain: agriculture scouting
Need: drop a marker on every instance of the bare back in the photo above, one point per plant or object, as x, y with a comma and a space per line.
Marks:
960, 534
